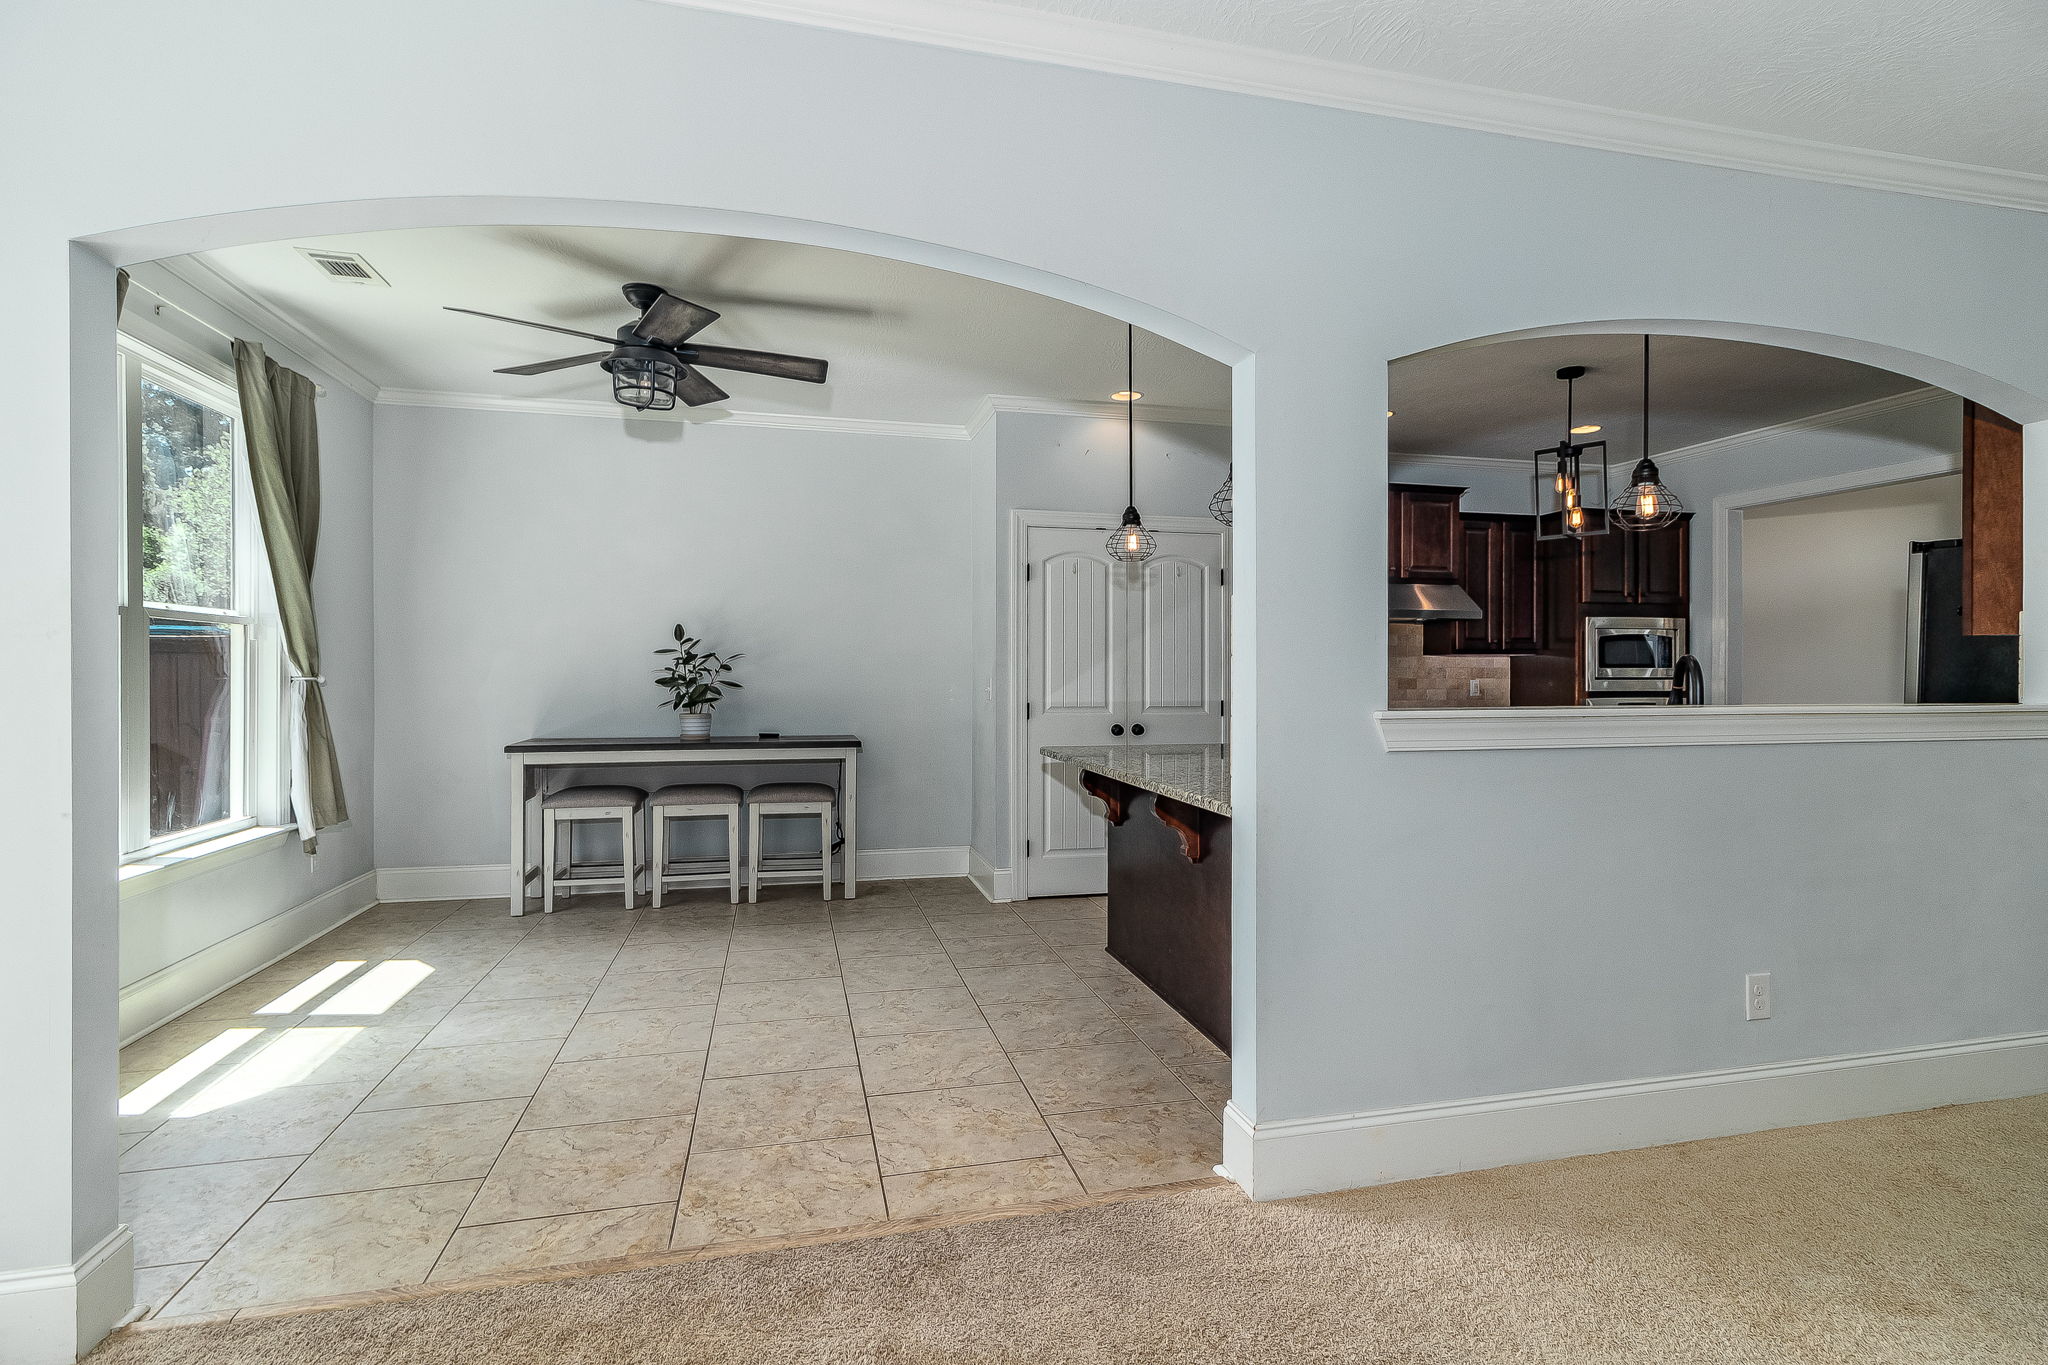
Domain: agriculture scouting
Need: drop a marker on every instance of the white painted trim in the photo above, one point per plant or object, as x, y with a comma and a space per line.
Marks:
1642, 727
1277, 1160
141, 876
1127, 50
1725, 528
53, 1315
194, 273
997, 883
479, 881
170, 991
1104, 410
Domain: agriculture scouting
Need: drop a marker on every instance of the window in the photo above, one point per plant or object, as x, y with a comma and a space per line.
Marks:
202, 685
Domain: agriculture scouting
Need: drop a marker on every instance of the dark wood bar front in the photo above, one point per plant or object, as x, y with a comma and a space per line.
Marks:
1169, 917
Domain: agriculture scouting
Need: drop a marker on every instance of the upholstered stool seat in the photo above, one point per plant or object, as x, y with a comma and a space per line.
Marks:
572, 806
809, 799
687, 801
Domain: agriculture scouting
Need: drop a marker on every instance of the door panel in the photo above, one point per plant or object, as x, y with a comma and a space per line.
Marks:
1075, 648
1174, 670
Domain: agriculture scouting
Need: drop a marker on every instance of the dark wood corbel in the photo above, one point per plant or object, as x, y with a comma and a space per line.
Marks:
1111, 793
1185, 821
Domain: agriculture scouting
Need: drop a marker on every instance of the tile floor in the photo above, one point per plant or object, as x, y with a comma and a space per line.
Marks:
438, 1090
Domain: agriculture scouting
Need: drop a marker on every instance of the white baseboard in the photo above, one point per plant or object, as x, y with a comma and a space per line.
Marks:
997, 883
170, 991
52, 1315
477, 881
1308, 1156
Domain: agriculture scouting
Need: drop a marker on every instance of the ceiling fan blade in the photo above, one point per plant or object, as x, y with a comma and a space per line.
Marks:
544, 366
670, 320
695, 390
758, 362
544, 326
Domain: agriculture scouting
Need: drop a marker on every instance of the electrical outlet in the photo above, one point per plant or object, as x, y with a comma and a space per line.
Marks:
1472, 687
1756, 995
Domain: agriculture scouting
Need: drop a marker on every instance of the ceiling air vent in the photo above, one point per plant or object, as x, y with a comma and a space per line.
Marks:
344, 265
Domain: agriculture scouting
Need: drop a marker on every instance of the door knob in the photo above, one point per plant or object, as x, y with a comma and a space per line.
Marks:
1116, 729
1137, 729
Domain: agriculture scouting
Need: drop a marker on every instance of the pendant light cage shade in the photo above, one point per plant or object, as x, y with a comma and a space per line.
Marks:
1219, 506
1569, 485
1647, 504
1131, 542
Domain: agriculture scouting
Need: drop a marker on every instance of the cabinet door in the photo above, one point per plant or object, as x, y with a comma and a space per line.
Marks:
1520, 594
1607, 574
1660, 569
1428, 535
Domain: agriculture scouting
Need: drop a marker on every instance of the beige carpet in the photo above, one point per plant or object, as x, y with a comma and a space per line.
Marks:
1918, 1237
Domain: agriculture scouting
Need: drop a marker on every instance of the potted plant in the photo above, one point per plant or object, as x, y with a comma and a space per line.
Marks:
695, 679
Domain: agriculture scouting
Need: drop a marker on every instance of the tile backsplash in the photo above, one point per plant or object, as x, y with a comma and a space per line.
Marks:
1417, 681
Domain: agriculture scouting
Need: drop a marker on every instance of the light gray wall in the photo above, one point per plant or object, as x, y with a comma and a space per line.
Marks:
1824, 590
1315, 244
529, 565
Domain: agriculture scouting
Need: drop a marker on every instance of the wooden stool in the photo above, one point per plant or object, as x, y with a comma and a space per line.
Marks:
573, 805
789, 798
699, 801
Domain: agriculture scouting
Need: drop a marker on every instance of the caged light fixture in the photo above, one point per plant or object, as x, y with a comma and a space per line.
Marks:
1561, 489
1646, 504
1219, 506
1131, 542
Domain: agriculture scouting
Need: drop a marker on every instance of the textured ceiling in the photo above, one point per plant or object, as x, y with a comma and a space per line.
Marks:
906, 343
1958, 80
1504, 400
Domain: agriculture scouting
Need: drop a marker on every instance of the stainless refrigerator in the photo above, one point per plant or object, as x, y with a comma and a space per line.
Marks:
1942, 663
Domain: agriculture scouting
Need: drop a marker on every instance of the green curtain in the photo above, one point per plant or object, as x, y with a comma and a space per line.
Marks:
283, 439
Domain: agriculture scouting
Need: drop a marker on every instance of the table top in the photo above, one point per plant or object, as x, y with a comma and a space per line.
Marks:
1198, 774
741, 743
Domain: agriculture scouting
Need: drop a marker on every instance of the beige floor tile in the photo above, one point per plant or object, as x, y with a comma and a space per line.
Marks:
779, 1190
968, 1189
953, 929
668, 957
1014, 985
933, 1061
1089, 961
181, 1038
1073, 933
1119, 1075
537, 1243
858, 917
506, 1021
1127, 994
186, 1213
292, 991
393, 1147
1209, 1078
1054, 909
809, 910
1174, 1040
535, 980
156, 1285
339, 1244
550, 1171
1005, 950
420, 1006
930, 1010
791, 1106
1075, 1022
923, 1130
655, 990
781, 964
894, 891
915, 971
614, 1088
454, 1075
758, 1002
859, 943
780, 1045
1119, 1149
289, 1121
639, 1033
320, 1052
754, 938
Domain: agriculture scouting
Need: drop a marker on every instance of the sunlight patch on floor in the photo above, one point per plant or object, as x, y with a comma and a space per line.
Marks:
287, 1061
378, 989
172, 1078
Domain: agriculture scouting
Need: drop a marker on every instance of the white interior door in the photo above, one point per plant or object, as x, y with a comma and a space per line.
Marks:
1114, 653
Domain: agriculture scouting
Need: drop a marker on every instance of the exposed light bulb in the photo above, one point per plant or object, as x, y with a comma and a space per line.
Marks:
1131, 541
1575, 517
1646, 503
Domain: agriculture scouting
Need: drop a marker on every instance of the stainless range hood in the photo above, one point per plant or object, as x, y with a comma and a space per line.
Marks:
1431, 602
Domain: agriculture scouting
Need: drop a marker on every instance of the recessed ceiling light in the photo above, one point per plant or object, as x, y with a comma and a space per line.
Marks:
1585, 430
1127, 396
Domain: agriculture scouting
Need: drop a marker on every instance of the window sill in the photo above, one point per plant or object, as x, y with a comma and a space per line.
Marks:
147, 874
1617, 727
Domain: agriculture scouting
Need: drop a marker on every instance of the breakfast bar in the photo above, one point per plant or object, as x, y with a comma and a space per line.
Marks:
1169, 869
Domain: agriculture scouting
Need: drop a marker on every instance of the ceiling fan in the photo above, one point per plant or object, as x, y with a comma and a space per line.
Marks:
652, 362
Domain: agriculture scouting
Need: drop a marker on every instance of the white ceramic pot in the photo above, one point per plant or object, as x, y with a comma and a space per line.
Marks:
696, 725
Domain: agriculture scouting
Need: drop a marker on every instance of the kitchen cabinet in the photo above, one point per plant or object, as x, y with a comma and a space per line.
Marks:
1635, 568
1422, 533
1496, 564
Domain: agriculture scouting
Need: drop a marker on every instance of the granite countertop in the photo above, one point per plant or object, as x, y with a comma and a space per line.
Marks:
1198, 774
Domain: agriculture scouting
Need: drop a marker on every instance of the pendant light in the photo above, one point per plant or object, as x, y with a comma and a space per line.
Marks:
1563, 477
1646, 504
1131, 542
1219, 506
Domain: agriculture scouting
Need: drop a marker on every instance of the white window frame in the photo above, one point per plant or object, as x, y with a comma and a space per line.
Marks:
258, 777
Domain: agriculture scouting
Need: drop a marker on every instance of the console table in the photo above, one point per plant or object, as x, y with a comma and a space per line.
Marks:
531, 759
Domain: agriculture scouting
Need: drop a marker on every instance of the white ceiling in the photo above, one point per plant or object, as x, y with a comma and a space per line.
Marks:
906, 343
1503, 400
1942, 98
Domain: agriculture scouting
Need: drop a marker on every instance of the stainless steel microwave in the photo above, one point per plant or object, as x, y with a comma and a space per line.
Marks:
1633, 653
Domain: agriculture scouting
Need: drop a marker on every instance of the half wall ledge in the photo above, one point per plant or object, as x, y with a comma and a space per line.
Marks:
1613, 727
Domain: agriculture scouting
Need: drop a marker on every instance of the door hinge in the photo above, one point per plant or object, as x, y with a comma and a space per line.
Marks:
1027, 573
1222, 707
1027, 848
1027, 710
1222, 577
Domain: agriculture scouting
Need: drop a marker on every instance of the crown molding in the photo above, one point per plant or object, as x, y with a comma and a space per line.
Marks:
1125, 50
611, 411
1069, 407
196, 275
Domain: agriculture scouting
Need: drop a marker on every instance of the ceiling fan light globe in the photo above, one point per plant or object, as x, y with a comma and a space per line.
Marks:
645, 379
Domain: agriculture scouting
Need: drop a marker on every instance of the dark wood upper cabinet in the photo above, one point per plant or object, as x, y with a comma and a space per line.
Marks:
1521, 611
1992, 529
1422, 533
1497, 566
1636, 568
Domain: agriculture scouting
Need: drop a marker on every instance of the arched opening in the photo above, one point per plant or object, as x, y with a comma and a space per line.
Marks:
521, 542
